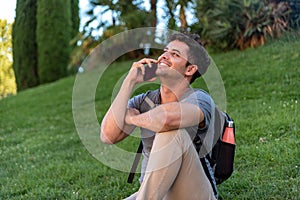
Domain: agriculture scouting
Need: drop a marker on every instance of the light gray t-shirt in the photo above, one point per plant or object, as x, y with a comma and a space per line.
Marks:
203, 136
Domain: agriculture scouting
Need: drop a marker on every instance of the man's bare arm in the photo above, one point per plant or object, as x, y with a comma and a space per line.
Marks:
113, 126
169, 116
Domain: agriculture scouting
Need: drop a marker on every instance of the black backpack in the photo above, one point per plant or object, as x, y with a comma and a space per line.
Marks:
221, 158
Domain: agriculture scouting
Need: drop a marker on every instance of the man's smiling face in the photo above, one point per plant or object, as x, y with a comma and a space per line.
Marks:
174, 57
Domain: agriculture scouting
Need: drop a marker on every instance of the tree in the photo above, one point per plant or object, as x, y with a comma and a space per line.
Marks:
75, 19
24, 45
42, 40
111, 17
178, 6
182, 17
7, 77
124, 15
54, 33
153, 12
170, 10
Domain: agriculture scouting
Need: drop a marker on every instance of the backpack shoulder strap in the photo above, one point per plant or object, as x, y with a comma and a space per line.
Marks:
135, 163
150, 99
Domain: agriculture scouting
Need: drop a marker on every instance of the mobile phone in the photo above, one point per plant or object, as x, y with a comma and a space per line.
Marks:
150, 72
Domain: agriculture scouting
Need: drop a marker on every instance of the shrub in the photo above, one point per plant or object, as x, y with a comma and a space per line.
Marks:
229, 24
260, 20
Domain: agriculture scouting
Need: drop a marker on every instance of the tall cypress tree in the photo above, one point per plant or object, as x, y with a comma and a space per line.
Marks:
75, 20
24, 44
54, 32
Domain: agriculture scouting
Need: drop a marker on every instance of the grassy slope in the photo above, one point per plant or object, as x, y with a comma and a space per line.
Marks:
263, 96
41, 155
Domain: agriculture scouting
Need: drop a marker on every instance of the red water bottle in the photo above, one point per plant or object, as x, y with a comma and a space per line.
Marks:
225, 163
228, 135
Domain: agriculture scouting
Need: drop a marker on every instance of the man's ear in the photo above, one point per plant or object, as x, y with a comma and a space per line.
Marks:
191, 69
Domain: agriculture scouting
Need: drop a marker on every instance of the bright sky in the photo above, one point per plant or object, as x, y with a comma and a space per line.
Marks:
7, 10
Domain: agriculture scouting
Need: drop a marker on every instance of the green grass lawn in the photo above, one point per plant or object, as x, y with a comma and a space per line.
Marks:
43, 157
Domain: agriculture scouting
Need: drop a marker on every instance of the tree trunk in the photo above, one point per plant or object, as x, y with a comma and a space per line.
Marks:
182, 17
153, 13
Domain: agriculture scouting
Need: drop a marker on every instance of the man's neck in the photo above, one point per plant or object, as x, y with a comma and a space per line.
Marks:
173, 94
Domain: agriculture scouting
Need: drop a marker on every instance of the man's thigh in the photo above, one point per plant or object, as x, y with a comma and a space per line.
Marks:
174, 170
191, 181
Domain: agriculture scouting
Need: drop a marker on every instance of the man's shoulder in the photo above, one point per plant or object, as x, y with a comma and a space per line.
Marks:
201, 94
153, 94
150, 94
137, 101
200, 91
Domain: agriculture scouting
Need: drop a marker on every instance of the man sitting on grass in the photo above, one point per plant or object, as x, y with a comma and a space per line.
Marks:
170, 118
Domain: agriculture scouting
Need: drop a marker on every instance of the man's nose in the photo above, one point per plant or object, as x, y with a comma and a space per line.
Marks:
165, 55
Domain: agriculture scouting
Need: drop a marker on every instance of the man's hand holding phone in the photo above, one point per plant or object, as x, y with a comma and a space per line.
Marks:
143, 70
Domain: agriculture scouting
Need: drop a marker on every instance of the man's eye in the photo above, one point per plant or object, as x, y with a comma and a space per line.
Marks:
175, 54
